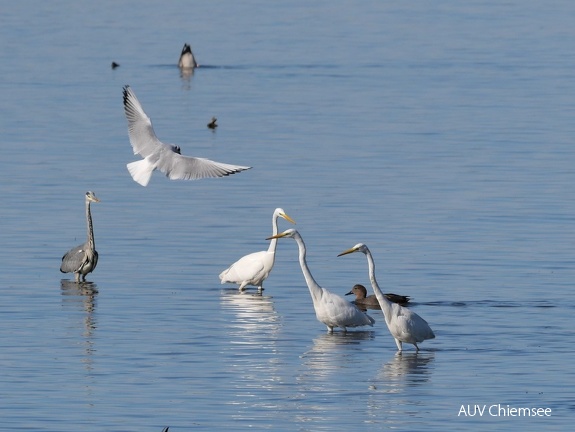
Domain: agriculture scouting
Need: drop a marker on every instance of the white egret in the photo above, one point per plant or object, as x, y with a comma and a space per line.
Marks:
330, 309
164, 157
83, 259
403, 324
361, 297
254, 268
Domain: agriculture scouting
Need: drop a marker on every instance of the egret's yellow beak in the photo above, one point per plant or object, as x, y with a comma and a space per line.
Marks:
286, 217
280, 235
352, 250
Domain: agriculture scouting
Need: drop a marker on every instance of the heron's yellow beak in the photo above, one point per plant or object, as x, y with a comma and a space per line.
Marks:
352, 250
286, 217
280, 235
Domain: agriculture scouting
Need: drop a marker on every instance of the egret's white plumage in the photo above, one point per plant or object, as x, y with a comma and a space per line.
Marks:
403, 324
254, 268
187, 59
330, 309
164, 157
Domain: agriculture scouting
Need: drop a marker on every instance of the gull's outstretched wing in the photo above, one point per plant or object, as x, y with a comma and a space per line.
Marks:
164, 157
178, 167
142, 136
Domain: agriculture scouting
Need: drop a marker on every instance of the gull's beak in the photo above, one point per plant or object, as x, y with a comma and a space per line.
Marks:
280, 235
352, 250
286, 217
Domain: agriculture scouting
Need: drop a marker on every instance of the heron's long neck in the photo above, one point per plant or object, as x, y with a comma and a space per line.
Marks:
314, 289
90, 228
383, 301
272, 246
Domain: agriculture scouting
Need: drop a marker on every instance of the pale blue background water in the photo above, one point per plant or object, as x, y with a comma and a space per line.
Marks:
438, 133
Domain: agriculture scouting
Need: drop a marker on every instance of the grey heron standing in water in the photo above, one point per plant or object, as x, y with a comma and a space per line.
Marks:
82, 259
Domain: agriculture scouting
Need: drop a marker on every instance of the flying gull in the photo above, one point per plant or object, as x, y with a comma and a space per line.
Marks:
164, 157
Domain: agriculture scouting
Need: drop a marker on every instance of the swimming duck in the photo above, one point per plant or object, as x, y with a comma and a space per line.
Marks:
212, 124
187, 60
361, 297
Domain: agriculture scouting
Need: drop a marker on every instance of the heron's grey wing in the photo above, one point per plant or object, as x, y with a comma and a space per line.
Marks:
95, 259
73, 259
178, 167
142, 136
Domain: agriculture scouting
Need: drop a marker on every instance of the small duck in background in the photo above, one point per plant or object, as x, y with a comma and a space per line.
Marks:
212, 124
187, 60
362, 299
115, 65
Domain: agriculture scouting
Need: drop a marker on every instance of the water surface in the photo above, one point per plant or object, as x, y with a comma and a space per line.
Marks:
438, 134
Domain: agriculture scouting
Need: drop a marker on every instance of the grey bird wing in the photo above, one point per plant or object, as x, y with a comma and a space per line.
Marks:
73, 259
142, 136
178, 167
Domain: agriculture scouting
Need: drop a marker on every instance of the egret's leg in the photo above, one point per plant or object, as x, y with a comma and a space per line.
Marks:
329, 329
398, 343
416, 347
243, 286
344, 329
77, 277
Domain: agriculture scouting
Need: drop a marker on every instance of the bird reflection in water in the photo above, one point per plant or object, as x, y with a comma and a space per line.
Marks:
252, 329
330, 353
410, 367
186, 75
82, 297
328, 371
399, 387
253, 313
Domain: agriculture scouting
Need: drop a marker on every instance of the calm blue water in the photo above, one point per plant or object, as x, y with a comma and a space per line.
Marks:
439, 134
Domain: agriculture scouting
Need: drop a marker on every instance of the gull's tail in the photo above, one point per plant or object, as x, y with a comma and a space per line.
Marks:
141, 171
